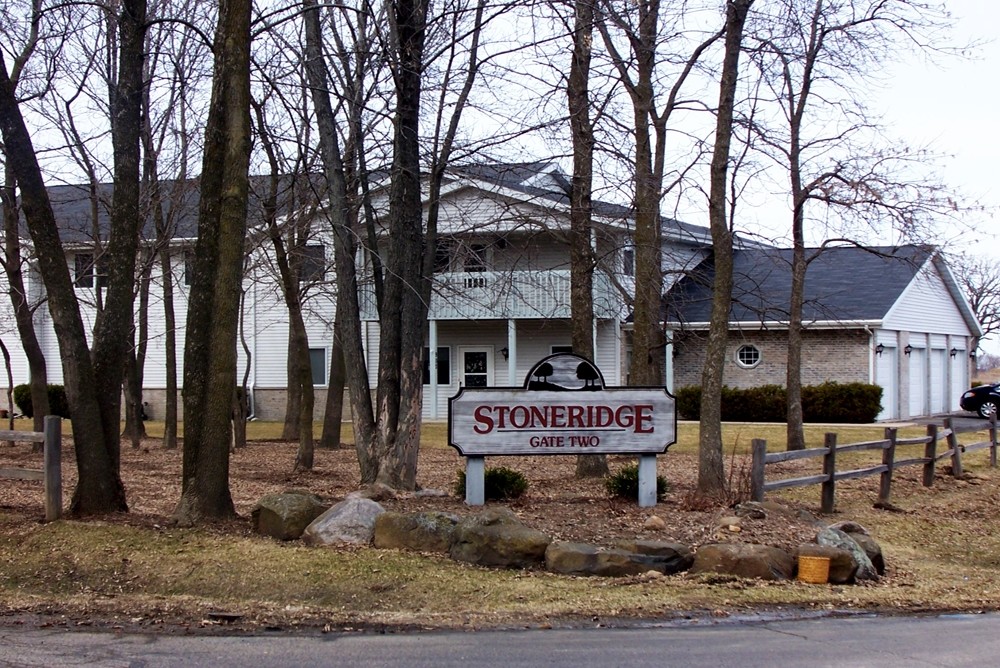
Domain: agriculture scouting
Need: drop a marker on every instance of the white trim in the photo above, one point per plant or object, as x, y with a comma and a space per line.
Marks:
777, 324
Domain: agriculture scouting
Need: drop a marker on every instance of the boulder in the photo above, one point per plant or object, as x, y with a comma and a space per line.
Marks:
753, 510
839, 539
842, 565
872, 549
350, 521
676, 556
862, 537
498, 538
424, 532
583, 559
286, 515
744, 560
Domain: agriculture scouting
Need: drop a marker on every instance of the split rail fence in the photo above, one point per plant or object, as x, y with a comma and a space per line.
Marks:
51, 473
891, 460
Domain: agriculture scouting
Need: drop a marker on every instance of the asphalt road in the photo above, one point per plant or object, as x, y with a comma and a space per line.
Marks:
954, 640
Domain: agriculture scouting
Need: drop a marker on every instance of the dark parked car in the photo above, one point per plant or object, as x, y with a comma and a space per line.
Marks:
983, 399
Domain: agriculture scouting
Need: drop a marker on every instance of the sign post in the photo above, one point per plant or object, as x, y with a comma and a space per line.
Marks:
563, 408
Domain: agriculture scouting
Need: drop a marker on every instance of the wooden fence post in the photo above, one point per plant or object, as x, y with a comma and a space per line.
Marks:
758, 448
829, 470
930, 454
888, 458
993, 440
955, 447
53, 467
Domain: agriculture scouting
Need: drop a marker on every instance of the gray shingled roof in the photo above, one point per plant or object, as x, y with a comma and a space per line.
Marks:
844, 283
71, 205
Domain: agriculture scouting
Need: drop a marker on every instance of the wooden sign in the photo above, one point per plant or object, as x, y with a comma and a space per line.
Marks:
562, 409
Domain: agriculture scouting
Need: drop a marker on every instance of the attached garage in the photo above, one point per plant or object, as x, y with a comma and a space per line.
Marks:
896, 316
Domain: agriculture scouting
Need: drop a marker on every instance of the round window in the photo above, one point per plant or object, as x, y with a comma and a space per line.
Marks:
748, 356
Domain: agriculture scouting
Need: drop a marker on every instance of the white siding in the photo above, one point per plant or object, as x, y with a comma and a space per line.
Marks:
927, 306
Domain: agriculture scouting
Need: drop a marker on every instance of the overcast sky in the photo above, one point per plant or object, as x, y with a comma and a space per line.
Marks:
955, 108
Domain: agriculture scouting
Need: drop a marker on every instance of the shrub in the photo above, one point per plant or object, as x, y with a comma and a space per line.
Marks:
689, 402
848, 403
58, 405
841, 402
624, 483
500, 483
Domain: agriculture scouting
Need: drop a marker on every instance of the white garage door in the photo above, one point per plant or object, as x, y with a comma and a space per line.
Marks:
886, 373
938, 381
959, 378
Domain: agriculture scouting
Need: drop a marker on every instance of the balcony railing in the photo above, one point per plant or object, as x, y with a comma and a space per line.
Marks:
511, 294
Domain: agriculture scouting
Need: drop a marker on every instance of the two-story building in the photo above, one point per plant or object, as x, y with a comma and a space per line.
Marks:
501, 299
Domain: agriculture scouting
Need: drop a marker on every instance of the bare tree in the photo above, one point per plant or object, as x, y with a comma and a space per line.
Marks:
13, 260
638, 72
711, 477
93, 384
979, 278
213, 310
815, 57
582, 260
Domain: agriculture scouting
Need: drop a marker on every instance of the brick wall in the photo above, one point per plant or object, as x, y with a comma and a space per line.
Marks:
827, 355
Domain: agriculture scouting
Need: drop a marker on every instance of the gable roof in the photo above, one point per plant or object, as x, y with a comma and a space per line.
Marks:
843, 284
545, 180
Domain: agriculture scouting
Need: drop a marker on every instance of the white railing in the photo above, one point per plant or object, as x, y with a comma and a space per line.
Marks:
509, 294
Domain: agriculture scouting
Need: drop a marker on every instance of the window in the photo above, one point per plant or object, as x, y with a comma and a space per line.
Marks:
748, 356
312, 265
84, 270
628, 261
317, 359
443, 251
475, 258
443, 366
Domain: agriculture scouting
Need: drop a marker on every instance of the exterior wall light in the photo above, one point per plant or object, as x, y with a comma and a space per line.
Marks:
505, 352
908, 349
879, 349
953, 352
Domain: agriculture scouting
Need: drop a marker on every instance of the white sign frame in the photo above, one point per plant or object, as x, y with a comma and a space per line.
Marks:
562, 417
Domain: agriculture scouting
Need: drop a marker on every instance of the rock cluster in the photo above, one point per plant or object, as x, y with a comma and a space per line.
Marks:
497, 538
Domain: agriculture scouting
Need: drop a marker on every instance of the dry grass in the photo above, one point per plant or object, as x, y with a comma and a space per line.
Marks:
137, 570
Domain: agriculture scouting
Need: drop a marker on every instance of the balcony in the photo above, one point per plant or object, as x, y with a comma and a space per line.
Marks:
520, 295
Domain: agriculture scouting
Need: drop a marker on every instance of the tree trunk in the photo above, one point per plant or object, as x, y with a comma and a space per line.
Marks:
213, 311
348, 307
582, 261
711, 475
23, 310
170, 353
135, 427
293, 397
399, 394
334, 413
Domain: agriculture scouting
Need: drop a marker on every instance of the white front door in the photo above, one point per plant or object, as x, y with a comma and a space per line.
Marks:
476, 366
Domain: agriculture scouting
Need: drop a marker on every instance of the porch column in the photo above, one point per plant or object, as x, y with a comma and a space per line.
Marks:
512, 352
432, 365
668, 363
